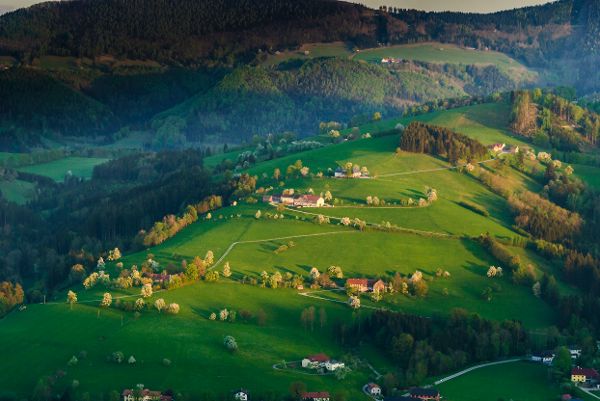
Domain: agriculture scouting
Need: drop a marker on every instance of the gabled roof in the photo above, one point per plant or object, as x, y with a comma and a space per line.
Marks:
357, 281
424, 392
587, 372
318, 357
309, 198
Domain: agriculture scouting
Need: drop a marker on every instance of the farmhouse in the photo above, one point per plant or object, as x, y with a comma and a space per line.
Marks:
425, 393
296, 201
373, 389
241, 394
315, 396
314, 361
364, 285
584, 375
497, 147
321, 361
356, 173
309, 201
575, 352
545, 357
144, 395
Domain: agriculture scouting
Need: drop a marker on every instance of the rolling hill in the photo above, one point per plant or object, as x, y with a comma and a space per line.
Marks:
441, 235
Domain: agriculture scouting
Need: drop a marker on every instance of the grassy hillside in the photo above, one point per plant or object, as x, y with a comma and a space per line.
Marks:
504, 382
427, 238
78, 166
443, 53
17, 191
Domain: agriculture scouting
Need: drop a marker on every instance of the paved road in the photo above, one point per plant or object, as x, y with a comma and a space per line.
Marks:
472, 368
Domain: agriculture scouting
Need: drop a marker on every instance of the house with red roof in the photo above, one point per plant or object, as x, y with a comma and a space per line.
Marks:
373, 389
315, 396
364, 284
315, 361
584, 375
318, 361
144, 395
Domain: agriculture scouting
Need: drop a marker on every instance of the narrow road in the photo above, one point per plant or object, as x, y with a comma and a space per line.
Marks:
588, 392
472, 368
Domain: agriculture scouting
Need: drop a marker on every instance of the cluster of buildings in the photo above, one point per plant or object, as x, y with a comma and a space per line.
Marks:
143, 394
365, 285
296, 200
321, 361
582, 376
242, 395
356, 173
503, 148
391, 60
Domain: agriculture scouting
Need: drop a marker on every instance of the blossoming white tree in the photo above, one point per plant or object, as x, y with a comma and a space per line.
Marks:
71, 298
106, 300
146, 290
160, 304
226, 270
354, 302
139, 304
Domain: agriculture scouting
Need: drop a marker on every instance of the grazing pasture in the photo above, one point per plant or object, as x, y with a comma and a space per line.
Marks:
78, 166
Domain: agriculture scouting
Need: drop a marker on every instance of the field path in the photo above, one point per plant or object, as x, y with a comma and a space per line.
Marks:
472, 368
431, 170
310, 295
234, 244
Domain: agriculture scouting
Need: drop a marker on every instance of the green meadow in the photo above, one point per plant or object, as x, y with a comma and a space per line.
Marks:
78, 166
17, 191
194, 344
519, 381
445, 53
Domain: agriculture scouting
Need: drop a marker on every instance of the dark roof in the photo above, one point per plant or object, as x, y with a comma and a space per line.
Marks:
587, 372
319, 358
424, 392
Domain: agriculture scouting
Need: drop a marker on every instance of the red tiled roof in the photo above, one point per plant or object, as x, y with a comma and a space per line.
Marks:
357, 281
315, 394
319, 358
587, 372
372, 385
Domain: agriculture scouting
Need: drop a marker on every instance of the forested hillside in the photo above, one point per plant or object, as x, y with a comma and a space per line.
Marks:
257, 100
184, 31
181, 72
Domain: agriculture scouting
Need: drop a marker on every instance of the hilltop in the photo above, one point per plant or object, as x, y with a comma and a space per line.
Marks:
192, 69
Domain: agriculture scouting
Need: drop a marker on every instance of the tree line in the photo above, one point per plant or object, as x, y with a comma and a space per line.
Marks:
421, 347
420, 137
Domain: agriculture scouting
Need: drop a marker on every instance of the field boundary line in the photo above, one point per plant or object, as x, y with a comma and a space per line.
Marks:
431, 170
234, 244
398, 228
